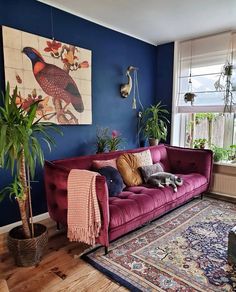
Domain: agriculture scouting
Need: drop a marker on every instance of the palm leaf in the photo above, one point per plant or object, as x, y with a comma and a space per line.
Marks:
20, 131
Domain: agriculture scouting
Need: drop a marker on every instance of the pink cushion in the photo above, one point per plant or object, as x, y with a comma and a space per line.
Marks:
103, 163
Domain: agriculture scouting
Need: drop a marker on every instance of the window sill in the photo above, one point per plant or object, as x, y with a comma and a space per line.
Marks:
230, 164
224, 168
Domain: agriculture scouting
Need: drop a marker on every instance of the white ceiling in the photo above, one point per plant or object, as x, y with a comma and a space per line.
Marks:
156, 21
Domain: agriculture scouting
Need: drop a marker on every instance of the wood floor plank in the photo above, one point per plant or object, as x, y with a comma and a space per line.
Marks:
61, 270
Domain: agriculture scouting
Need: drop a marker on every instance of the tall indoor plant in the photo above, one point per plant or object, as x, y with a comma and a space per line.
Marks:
19, 151
154, 123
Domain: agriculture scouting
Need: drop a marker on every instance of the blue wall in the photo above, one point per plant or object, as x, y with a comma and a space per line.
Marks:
164, 78
112, 53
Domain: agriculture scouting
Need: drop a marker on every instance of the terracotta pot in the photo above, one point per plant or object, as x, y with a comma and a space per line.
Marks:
153, 141
27, 252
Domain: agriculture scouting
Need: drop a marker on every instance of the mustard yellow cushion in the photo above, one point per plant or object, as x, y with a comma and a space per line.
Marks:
127, 165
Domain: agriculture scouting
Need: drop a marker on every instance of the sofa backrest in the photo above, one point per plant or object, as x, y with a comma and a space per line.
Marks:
159, 154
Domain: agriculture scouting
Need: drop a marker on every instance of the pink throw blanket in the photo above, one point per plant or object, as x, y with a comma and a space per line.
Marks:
83, 217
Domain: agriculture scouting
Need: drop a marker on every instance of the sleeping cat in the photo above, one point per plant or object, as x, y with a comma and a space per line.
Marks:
162, 179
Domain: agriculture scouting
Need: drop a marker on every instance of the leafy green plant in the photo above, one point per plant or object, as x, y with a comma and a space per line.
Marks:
202, 116
102, 138
232, 152
200, 143
219, 153
154, 122
114, 141
20, 150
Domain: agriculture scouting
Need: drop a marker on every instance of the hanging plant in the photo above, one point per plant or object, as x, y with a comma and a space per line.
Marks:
224, 84
189, 97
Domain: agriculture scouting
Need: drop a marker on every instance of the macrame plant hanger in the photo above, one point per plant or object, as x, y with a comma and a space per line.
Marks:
228, 71
189, 96
136, 96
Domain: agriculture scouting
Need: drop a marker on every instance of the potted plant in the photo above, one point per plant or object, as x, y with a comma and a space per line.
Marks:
19, 151
101, 142
219, 153
232, 152
114, 141
189, 97
154, 123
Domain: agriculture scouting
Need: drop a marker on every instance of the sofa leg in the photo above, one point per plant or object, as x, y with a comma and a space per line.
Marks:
58, 226
201, 196
106, 250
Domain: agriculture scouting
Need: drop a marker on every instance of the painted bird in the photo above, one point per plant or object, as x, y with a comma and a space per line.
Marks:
54, 81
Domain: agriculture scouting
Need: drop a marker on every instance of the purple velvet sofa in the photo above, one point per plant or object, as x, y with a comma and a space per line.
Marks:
134, 206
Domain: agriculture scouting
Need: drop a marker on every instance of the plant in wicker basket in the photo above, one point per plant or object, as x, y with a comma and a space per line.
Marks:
19, 151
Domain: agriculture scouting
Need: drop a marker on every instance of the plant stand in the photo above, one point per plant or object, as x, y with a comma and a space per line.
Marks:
27, 252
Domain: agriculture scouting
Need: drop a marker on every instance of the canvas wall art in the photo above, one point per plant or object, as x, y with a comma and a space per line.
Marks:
55, 74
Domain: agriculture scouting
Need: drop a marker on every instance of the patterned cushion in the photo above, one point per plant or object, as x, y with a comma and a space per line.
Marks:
128, 167
144, 158
102, 163
113, 179
148, 170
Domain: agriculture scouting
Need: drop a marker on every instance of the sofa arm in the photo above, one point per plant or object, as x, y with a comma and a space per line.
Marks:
186, 160
55, 179
103, 201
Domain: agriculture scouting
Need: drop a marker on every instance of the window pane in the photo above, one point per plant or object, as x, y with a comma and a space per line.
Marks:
212, 127
205, 99
199, 83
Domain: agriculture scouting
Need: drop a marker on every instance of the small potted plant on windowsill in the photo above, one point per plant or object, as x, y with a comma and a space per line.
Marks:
232, 152
219, 153
154, 123
19, 151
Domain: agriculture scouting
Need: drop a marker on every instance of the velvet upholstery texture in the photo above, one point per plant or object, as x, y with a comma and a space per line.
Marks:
113, 179
102, 163
135, 205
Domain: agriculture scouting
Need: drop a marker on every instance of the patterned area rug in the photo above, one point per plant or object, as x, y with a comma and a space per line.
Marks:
185, 250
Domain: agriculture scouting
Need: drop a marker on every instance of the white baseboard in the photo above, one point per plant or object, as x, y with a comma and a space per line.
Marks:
7, 228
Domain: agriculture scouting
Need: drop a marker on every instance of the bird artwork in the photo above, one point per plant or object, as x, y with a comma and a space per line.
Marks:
126, 88
54, 81
52, 73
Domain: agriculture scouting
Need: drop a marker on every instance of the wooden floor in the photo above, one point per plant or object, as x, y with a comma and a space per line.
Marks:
60, 270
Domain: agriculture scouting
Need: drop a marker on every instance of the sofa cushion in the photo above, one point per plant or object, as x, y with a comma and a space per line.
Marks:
137, 201
127, 165
102, 163
113, 178
148, 170
144, 158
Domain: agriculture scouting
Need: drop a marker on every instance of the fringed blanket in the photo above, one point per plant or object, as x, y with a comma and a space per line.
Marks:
83, 218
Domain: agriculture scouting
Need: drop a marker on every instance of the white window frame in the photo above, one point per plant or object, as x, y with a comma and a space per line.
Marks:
177, 120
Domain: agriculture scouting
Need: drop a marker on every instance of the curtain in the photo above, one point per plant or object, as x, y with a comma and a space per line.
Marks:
205, 58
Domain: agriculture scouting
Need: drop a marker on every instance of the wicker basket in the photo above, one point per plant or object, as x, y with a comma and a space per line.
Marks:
27, 252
